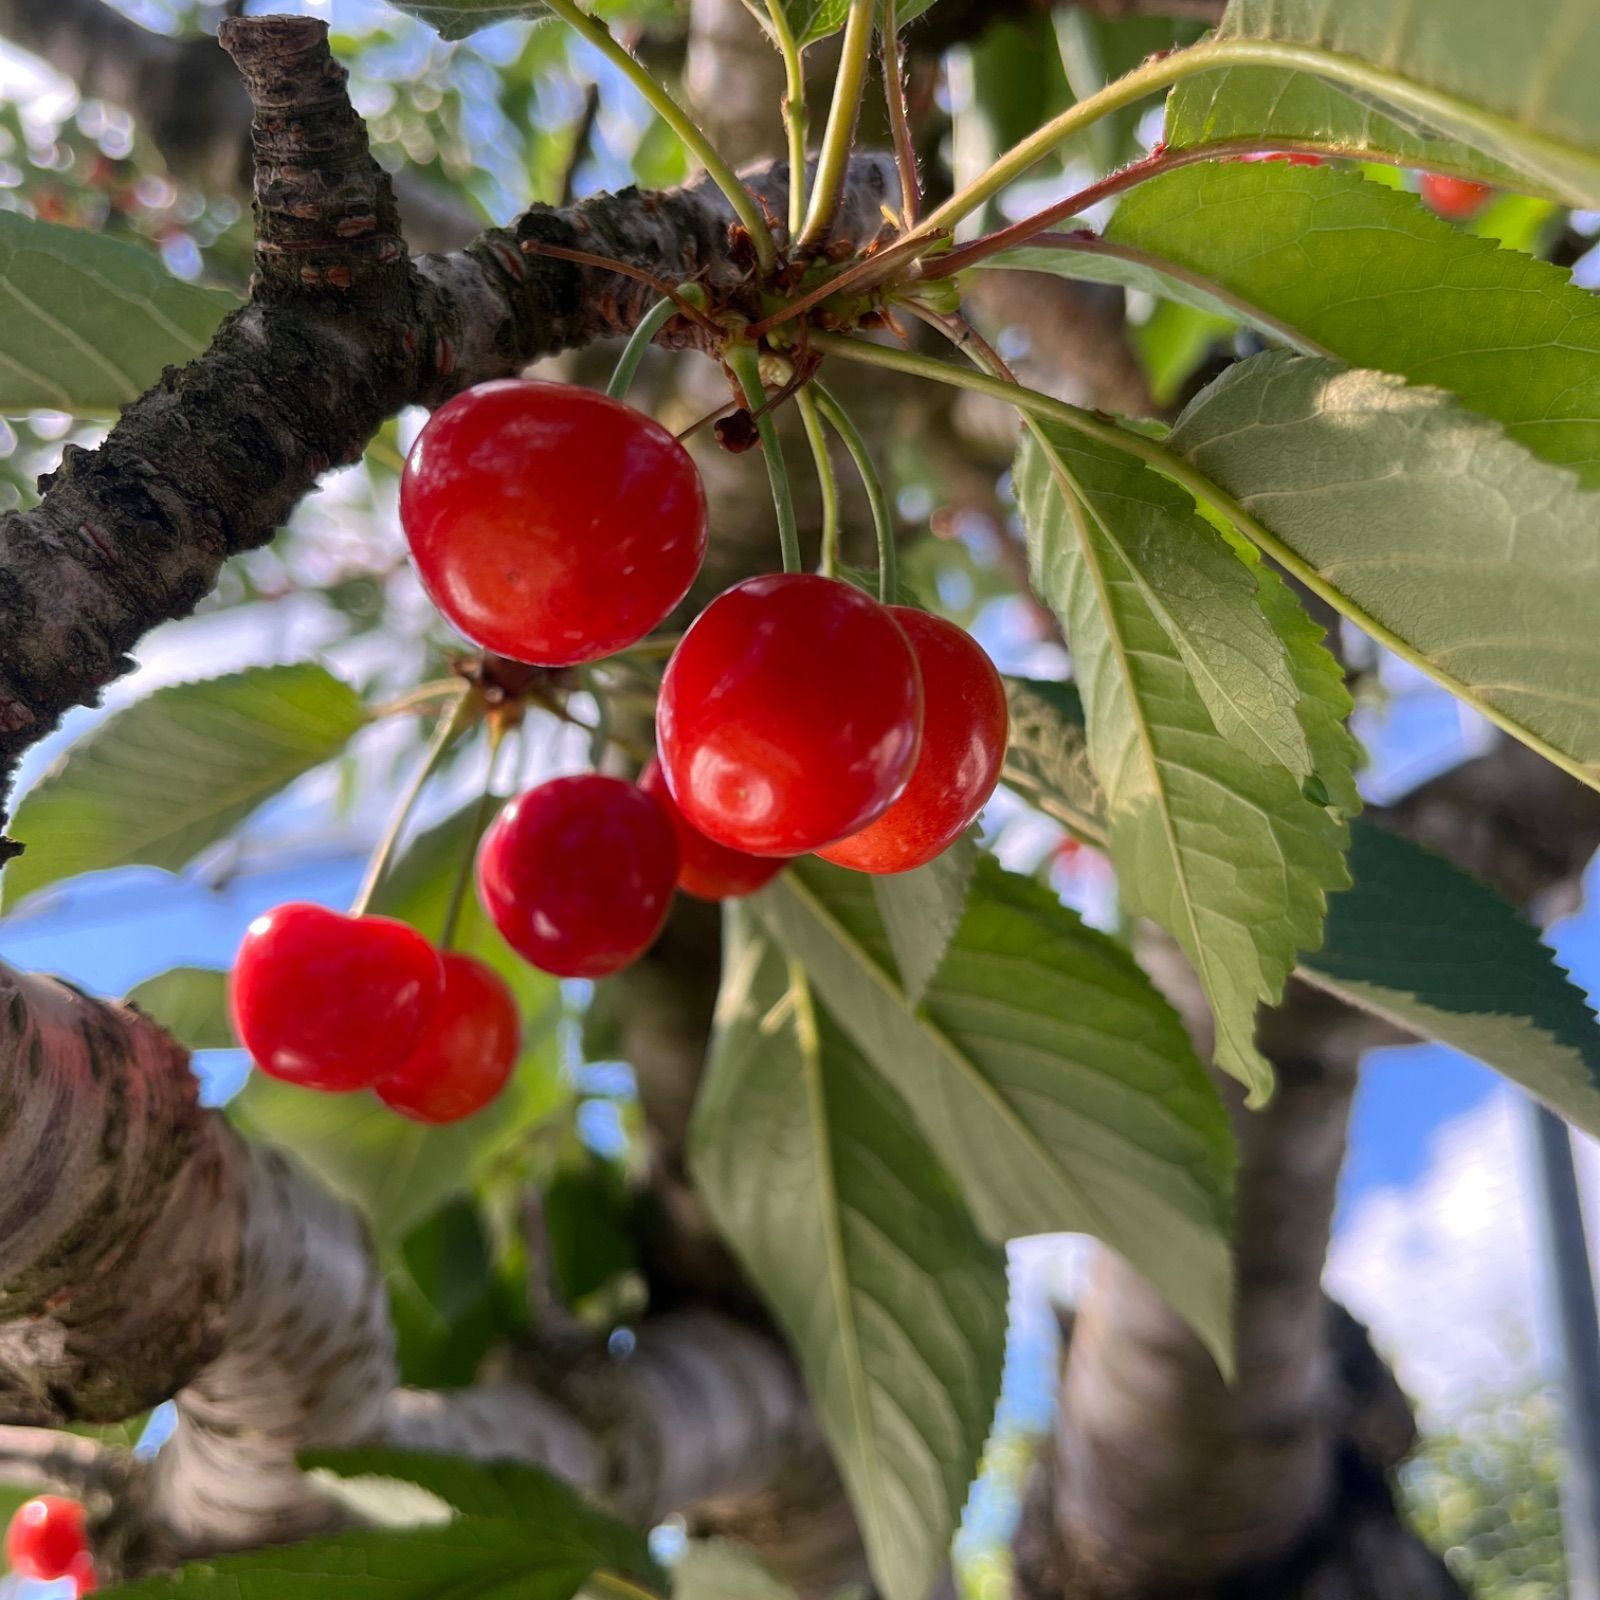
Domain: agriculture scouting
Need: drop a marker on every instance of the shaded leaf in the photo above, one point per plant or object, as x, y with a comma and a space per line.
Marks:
191, 1003
894, 1304
445, 1298
1427, 525
1054, 1084
1047, 757
157, 783
1218, 848
922, 909
1439, 953
89, 321
1454, 84
712, 1569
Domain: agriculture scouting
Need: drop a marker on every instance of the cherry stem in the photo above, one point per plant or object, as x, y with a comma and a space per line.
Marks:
459, 716
480, 820
689, 132
877, 498
833, 159
966, 339
424, 694
744, 361
640, 340
827, 481
624, 269
795, 115
894, 88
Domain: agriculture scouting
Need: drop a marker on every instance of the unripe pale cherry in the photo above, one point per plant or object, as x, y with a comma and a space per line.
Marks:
549, 523
330, 1001
466, 1052
790, 715
708, 870
963, 747
578, 874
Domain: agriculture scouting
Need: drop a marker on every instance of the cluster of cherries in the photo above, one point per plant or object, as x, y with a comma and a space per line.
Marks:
557, 526
46, 1541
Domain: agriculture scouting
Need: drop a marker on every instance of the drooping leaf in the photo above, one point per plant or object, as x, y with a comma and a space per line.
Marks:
469, 1559
1438, 952
1424, 522
191, 1003
1047, 756
89, 321
712, 1569
1337, 265
1455, 84
1055, 1085
894, 1304
157, 783
504, 1493
1218, 848
922, 909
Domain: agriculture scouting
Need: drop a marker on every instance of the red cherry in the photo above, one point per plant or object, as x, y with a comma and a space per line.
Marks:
467, 1051
550, 523
330, 1001
45, 1537
706, 869
790, 715
963, 746
82, 1574
1455, 198
578, 873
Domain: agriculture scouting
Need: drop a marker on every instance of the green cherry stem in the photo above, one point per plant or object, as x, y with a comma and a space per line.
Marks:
460, 716
894, 89
833, 159
827, 481
687, 129
640, 340
796, 119
853, 440
480, 820
745, 363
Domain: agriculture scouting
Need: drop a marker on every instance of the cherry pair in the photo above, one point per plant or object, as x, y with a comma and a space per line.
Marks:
344, 1003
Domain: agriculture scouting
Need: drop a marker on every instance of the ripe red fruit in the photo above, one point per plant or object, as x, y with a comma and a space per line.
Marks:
1455, 198
329, 1001
550, 523
790, 715
467, 1051
578, 874
82, 1574
963, 746
45, 1537
706, 869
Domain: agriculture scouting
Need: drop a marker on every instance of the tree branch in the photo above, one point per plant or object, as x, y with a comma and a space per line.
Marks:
342, 331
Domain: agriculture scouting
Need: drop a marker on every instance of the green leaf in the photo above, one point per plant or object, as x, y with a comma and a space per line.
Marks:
921, 911
502, 1493
445, 1298
1395, 289
1218, 848
191, 1003
810, 20
711, 1569
457, 19
894, 1304
1428, 526
586, 1220
1438, 952
1047, 756
1055, 1085
1448, 83
470, 1559
179, 770
89, 321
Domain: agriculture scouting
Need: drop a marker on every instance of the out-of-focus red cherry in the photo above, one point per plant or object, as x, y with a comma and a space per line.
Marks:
1454, 198
549, 523
578, 874
790, 716
45, 1537
467, 1050
329, 1001
708, 870
963, 747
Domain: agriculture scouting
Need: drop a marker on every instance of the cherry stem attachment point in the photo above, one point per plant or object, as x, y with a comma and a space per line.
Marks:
744, 361
460, 716
855, 442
